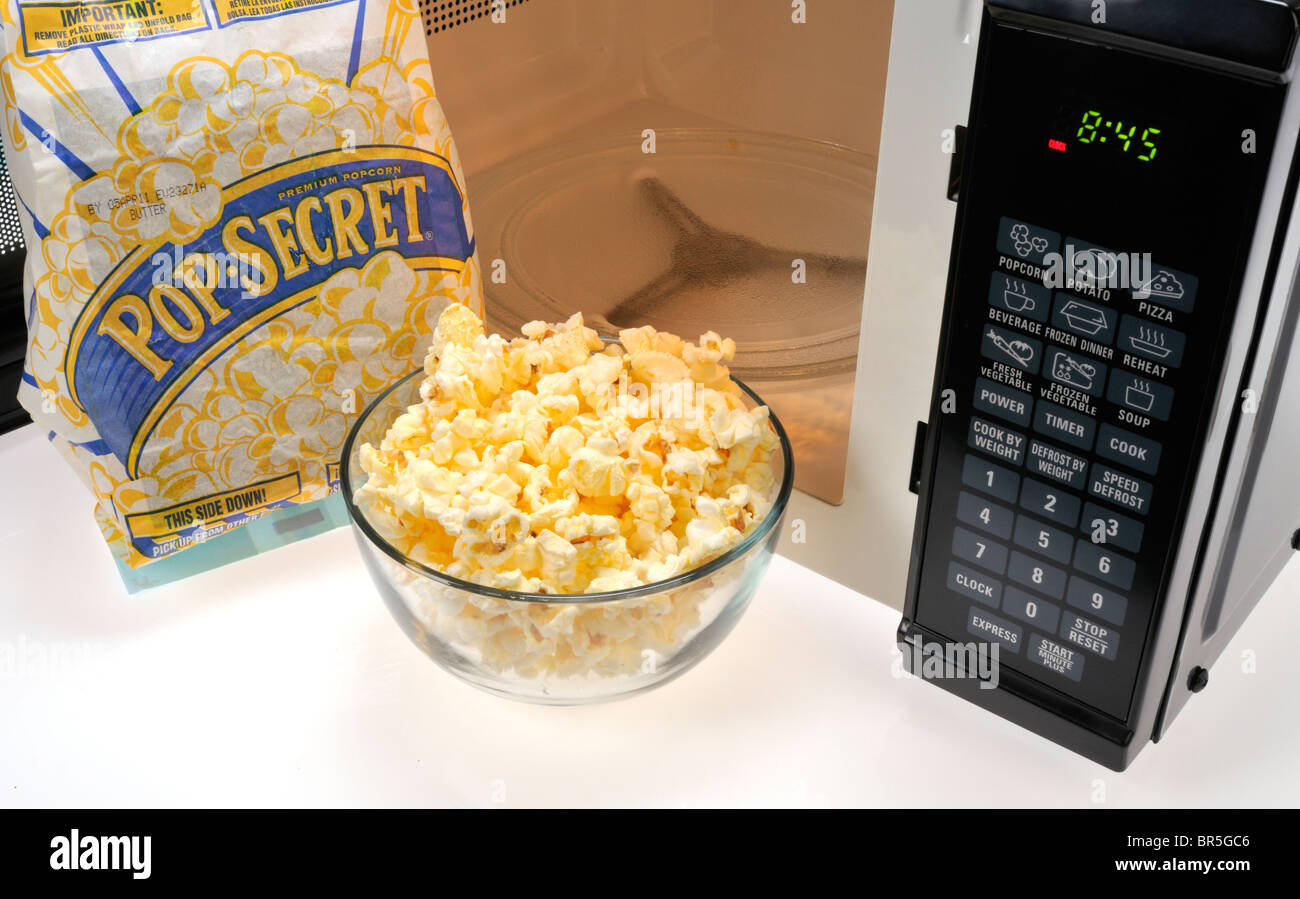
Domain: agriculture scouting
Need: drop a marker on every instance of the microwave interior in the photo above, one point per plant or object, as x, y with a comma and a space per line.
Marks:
694, 165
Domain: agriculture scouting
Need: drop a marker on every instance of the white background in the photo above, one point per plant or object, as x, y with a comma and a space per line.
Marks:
282, 680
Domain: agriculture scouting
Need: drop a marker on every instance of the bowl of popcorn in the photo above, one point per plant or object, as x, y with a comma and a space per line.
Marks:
561, 518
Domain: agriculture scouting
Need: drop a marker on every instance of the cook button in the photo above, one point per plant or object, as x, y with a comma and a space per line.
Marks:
1094, 637
984, 515
1039, 612
1055, 657
991, 479
980, 550
1128, 448
1100, 562
974, 585
1099, 601
1121, 489
993, 628
1064, 424
1107, 527
1004, 402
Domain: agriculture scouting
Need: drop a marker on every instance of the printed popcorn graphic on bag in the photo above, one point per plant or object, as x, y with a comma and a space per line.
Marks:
244, 218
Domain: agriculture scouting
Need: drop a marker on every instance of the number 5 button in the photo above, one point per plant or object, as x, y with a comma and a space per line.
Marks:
1044, 539
1104, 563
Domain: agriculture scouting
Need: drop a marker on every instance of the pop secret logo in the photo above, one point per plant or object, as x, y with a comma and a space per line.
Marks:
141, 340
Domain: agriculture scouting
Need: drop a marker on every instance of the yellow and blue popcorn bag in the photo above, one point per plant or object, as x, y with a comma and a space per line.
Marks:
244, 218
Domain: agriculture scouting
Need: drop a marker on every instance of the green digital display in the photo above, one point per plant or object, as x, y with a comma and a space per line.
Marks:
1102, 132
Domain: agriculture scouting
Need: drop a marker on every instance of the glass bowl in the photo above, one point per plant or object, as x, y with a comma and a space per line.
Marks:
522, 645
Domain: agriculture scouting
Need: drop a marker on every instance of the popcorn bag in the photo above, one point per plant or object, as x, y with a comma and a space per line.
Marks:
232, 248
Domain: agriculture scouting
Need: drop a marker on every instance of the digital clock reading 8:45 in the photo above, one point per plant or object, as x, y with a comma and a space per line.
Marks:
1123, 137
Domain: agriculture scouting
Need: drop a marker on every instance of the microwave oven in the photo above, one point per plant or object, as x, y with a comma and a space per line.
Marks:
1106, 482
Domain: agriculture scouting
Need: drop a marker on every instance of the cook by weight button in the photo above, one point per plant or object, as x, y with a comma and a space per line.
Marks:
996, 440
1105, 564
984, 515
1128, 448
1052, 503
1064, 425
1096, 638
980, 550
1002, 401
1019, 604
991, 479
1044, 539
1020, 297
1037, 575
1140, 396
993, 628
1099, 601
1147, 340
1121, 489
1060, 465
1055, 656
1118, 530
1023, 241
974, 585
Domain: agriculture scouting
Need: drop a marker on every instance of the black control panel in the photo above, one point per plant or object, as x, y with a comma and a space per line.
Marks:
1108, 202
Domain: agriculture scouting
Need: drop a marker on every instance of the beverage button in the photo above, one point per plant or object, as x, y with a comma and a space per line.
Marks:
1168, 287
1055, 657
1111, 528
1049, 502
1046, 579
986, 516
1004, 402
1104, 564
1094, 637
994, 628
996, 440
1060, 465
1044, 539
1023, 241
1140, 396
1014, 349
1075, 370
1020, 297
1064, 424
1140, 339
1019, 604
1099, 601
991, 479
974, 585
1121, 489
1128, 448
1086, 320
980, 550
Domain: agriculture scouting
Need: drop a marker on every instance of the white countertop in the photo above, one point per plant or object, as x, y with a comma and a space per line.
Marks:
282, 680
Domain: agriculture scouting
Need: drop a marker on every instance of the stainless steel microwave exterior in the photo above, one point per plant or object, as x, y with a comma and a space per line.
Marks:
1241, 511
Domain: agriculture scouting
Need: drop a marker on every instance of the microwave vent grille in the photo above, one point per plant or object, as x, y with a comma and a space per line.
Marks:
440, 15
